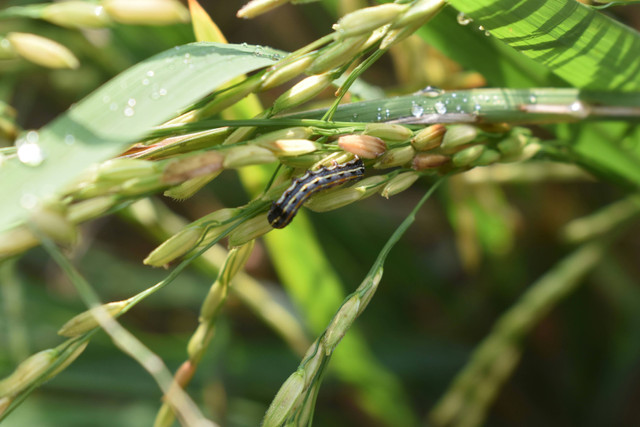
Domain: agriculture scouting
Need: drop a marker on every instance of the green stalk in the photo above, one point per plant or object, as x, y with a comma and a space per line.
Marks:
186, 409
475, 387
292, 403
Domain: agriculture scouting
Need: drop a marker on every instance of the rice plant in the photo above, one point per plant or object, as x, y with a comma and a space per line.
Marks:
191, 200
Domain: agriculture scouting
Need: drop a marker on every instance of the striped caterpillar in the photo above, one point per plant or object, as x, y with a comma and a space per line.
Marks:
285, 208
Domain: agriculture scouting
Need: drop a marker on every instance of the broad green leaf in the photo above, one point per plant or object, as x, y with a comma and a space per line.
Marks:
601, 147
119, 113
584, 47
535, 105
498, 63
581, 45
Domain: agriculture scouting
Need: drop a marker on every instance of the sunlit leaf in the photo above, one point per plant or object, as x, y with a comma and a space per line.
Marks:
585, 47
119, 113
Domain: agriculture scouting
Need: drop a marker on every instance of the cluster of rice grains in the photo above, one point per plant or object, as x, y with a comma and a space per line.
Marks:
325, 152
393, 156
80, 15
320, 158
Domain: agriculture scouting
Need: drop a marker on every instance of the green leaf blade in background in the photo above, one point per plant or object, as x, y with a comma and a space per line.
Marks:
500, 65
581, 45
119, 113
535, 43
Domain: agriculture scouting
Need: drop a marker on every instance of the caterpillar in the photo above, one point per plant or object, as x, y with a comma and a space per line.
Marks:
285, 208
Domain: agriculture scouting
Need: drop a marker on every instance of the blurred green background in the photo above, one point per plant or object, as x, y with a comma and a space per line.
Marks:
472, 252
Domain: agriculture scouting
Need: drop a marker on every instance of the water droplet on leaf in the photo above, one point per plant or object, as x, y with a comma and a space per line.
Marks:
440, 107
432, 92
32, 136
416, 109
463, 19
28, 201
28, 150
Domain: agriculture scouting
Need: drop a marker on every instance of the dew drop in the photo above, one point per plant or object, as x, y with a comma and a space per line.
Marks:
129, 112
145, 82
32, 137
28, 201
533, 99
463, 19
487, 33
416, 109
150, 73
481, 27
576, 106
28, 150
69, 139
258, 51
113, 106
477, 107
106, 99
387, 113
432, 92
162, 91
440, 107
578, 109
131, 102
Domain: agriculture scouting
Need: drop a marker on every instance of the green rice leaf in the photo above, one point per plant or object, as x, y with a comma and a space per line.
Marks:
119, 113
497, 62
581, 45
